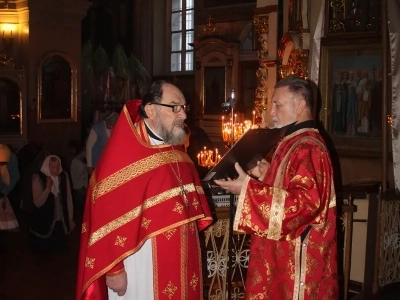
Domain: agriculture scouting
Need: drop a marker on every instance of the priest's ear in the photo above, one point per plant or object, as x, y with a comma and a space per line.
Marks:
150, 111
300, 105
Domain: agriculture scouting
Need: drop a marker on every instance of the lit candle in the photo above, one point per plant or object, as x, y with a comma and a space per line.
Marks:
233, 94
254, 117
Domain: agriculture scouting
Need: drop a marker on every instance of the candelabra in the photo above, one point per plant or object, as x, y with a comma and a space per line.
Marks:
208, 158
232, 131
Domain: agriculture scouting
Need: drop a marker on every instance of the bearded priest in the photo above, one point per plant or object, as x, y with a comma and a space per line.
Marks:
144, 208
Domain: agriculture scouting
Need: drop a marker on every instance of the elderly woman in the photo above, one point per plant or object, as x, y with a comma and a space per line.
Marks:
52, 218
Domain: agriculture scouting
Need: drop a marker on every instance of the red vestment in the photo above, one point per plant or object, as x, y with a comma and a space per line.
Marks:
295, 195
135, 195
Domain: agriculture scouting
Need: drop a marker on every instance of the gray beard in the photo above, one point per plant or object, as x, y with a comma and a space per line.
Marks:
169, 137
172, 138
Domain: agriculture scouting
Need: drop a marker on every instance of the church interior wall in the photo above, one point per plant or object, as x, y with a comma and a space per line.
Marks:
53, 26
57, 27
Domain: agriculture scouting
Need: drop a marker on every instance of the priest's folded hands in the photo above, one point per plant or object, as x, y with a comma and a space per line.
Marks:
118, 283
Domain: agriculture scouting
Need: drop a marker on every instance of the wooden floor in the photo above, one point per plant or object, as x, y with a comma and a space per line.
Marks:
27, 276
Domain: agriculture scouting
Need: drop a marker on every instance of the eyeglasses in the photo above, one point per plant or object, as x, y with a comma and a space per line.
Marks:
175, 108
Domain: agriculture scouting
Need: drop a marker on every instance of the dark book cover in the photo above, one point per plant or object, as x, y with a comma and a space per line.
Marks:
252, 147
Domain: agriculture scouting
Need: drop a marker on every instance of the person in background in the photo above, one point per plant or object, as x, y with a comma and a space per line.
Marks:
97, 140
9, 175
144, 209
289, 206
79, 178
14, 176
73, 148
26, 186
52, 218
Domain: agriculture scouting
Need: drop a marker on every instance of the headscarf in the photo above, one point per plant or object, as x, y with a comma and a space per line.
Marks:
5, 156
55, 188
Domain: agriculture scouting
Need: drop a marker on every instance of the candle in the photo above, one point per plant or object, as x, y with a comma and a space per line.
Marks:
254, 117
233, 94
235, 118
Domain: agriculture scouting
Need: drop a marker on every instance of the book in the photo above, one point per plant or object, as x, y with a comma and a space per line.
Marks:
252, 147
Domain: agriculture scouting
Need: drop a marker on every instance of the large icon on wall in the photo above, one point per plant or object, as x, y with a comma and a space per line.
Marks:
352, 94
57, 89
214, 89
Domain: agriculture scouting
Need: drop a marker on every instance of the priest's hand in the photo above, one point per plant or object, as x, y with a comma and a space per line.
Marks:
117, 283
260, 169
233, 186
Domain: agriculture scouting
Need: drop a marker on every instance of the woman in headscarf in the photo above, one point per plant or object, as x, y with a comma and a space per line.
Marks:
52, 218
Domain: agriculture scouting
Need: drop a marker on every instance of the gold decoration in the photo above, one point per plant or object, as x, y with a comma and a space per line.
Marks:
83, 230
297, 61
145, 223
353, 16
178, 208
135, 212
192, 226
89, 262
195, 203
297, 65
168, 234
337, 6
134, 170
209, 29
194, 281
120, 241
170, 290
261, 25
